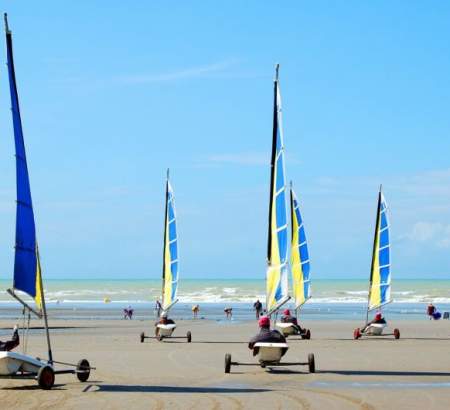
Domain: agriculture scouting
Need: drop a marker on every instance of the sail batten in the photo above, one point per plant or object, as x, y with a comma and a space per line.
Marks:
380, 275
300, 265
277, 244
170, 258
27, 272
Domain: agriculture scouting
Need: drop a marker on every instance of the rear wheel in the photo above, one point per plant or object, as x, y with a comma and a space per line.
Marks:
311, 363
397, 333
83, 370
142, 337
227, 363
307, 334
46, 377
189, 336
356, 333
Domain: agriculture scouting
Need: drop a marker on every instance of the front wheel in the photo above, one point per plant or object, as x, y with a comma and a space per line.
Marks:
189, 336
397, 333
311, 363
46, 377
227, 363
83, 370
307, 334
356, 333
142, 337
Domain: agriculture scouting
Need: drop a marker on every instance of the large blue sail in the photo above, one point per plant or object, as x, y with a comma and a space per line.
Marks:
27, 276
170, 263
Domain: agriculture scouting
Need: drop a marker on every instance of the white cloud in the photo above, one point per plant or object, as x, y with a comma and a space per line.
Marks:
192, 72
246, 158
435, 233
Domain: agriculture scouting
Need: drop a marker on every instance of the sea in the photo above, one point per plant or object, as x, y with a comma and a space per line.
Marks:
331, 299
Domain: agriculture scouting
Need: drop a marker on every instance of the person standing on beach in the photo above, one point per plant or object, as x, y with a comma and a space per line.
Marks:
228, 312
258, 308
158, 308
195, 310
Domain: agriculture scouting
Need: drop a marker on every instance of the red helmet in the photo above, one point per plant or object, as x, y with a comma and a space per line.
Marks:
378, 316
264, 321
287, 312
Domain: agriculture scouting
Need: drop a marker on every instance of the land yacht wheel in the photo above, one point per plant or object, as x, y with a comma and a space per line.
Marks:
397, 333
311, 363
46, 377
189, 336
227, 363
356, 333
142, 337
83, 370
307, 334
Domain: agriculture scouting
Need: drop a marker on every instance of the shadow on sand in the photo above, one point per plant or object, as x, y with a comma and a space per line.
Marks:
34, 387
118, 388
382, 373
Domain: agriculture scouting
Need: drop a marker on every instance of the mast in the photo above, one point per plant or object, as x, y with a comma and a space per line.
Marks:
165, 233
377, 224
272, 163
27, 268
44, 309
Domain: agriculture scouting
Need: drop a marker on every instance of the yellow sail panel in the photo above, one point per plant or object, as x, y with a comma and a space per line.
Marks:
274, 269
300, 265
38, 297
375, 296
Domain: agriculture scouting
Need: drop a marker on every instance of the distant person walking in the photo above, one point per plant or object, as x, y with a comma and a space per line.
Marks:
228, 312
195, 310
258, 308
128, 313
158, 308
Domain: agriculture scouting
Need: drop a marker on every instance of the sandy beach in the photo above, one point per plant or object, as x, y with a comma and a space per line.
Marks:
413, 372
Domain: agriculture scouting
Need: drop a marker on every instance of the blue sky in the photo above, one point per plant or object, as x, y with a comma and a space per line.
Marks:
112, 96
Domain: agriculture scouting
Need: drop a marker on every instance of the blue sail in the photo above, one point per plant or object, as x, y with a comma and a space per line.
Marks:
27, 277
170, 262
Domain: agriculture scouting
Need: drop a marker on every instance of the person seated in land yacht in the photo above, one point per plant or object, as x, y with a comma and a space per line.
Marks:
378, 319
266, 335
287, 318
11, 344
164, 320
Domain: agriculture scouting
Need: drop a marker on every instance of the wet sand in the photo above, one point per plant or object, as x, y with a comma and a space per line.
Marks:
376, 373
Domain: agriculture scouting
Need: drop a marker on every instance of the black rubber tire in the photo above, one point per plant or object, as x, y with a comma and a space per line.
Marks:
46, 377
307, 335
83, 364
142, 337
227, 363
311, 363
189, 336
397, 333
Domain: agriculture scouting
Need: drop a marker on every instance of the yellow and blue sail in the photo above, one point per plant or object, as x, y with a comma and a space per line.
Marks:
170, 258
380, 277
300, 265
27, 272
277, 249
